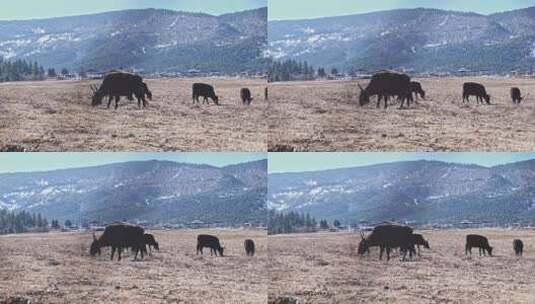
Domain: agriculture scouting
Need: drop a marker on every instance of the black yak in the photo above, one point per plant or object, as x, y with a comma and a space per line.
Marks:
119, 237
206, 91
388, 237
418, 240
479, 241
117, 84
249, 247
150, 241
246, 97
266, 96
210, 241
516, 95
518, 246
384, 85
416, 89
475, 89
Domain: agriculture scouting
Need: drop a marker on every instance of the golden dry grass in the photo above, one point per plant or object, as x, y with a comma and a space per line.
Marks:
56, 268
325, 116
57, 116
324, 268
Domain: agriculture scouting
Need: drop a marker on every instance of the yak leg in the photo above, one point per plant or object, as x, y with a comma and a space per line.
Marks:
112, 252
387, 253
109, 101
120, 252
381, 249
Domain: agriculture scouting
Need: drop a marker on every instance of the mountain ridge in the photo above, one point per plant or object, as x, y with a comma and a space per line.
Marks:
149, 40
420, 40
154, 191
420, 191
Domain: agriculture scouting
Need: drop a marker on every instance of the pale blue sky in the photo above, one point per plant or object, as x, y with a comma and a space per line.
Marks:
301, 162
31, 9
305, 9
26, 162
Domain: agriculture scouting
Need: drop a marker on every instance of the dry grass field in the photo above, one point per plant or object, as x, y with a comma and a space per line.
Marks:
324, 268
57, 268
325, 116
57, 116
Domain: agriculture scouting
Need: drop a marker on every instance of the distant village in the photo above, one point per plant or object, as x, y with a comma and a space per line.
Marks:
92, 74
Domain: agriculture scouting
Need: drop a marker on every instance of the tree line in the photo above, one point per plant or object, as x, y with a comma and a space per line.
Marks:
293, 222
11, 222
19, 70
291, 70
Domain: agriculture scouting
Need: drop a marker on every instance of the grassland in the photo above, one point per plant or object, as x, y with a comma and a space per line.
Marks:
325, 116
57, 268
58, 116
324, 268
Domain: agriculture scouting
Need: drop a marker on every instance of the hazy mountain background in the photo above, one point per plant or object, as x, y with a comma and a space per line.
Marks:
149, 39
425, 40
154, 191
421, 191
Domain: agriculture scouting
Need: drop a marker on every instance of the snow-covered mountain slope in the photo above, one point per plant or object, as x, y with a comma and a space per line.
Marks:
156, 191
150, 39
427, 40
424, 191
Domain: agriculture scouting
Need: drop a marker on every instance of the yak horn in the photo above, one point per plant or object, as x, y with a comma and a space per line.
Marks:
360, 87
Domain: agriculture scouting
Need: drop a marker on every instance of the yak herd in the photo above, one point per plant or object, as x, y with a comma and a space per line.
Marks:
387, 84
117, 84
389, 237
122, 236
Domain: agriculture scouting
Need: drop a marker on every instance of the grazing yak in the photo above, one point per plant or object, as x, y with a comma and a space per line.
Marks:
117, 84
206, 91
249, 247
150, 242
246, 97
475, 89
386, 84
119, 237
518, 246
479, 241
388, 237
516, 95
210, 241
416, 89
418, 240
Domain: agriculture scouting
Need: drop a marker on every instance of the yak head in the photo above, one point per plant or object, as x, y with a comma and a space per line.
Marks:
216, 101
221, 249
95, 246
364, 97
422, 93
97, 97
426, 245
487, 98
364, 245
490, 250
156, 246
